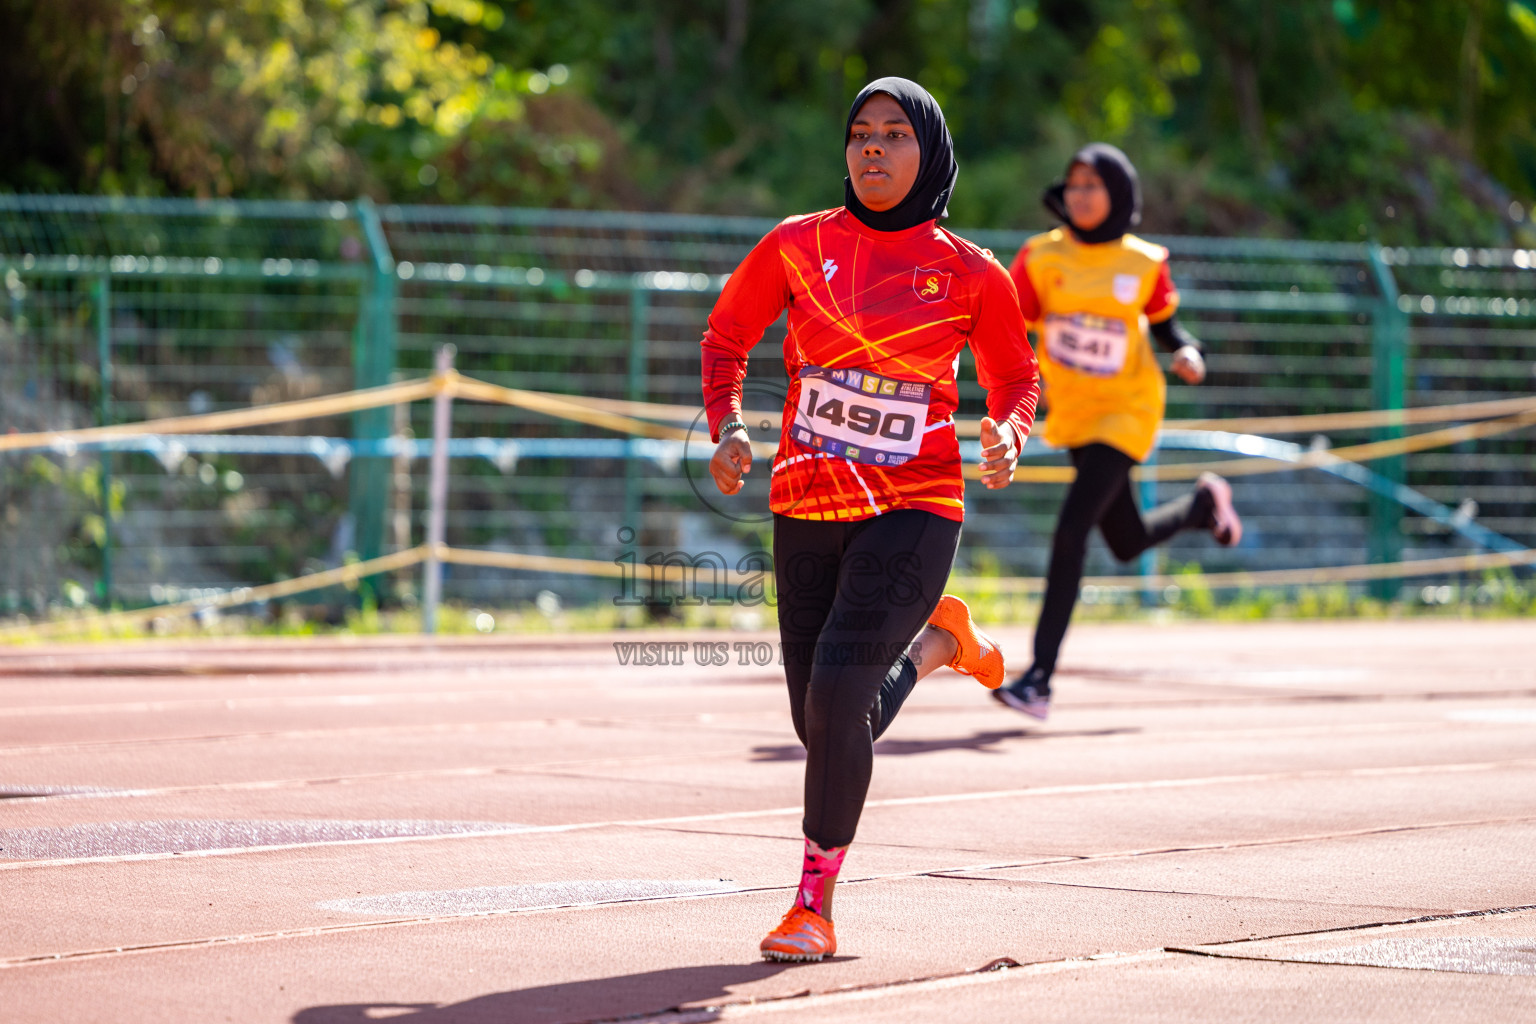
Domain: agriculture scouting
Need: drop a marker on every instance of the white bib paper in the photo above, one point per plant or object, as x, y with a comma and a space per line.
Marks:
861, 416
1093, 344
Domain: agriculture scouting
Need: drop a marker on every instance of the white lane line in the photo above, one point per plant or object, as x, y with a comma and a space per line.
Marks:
18, 791
340, 700
1308, 678
322, 665
1290, 940
511, 690
1260, 699
1209, 780
944, 798
829, 1002
519, 689
532, 768
180, 836
236, 851
979, 873
720, 722
689, 719
331, 929
488, 899
1496, 716
1458, 954
94, 792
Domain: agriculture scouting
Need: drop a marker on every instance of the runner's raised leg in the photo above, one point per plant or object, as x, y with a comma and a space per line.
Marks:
1103, 473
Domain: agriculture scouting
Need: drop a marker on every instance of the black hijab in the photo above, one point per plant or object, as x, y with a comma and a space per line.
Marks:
929, 197
1120, 181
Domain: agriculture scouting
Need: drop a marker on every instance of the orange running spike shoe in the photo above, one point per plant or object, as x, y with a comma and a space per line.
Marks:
802, 935
979, 656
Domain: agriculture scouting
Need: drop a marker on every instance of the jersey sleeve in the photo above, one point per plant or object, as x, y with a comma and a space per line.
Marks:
1029, 299
1164, 300
752, 299
1005, 363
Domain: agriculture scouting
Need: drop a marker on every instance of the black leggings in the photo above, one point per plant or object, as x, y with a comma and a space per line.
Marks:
1102, 495
852, 596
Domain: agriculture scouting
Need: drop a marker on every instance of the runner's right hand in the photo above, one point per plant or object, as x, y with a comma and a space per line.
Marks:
732, 461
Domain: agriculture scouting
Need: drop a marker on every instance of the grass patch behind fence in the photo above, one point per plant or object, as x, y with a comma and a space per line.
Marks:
1492, 594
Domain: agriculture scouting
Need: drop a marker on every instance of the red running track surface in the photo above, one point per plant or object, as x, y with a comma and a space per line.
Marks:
1320, 821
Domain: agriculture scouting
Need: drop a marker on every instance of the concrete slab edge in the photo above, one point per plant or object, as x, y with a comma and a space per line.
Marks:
998, 970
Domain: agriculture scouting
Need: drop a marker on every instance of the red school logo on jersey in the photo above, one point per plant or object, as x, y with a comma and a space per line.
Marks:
930, 285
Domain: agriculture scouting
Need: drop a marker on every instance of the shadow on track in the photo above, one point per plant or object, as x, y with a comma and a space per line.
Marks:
981, 742
598, 999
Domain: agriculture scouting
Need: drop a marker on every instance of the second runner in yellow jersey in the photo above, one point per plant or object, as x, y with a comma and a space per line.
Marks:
1091, 306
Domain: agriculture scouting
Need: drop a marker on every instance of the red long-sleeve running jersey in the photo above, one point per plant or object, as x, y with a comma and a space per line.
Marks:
876, 323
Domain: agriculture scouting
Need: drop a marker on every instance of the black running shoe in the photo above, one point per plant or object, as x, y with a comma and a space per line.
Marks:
1030, 693
1226, 524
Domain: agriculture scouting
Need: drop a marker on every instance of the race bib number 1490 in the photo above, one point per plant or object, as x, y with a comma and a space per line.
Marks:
861, 416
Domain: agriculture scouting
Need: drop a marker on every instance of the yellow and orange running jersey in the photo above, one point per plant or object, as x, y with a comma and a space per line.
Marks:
1090, 306
876, 323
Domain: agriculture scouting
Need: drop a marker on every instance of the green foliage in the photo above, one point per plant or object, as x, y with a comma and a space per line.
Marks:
260, 97
1404, 120
78, 486
1191, 593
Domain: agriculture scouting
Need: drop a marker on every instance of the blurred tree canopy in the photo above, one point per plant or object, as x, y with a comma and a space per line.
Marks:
1403, 120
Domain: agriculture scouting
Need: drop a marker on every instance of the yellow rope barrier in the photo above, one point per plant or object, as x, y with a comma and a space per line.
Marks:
260, 415
676, 571
1361, 420
605, 413
1351, 453
530, 563
563, 407
622, 417
658, 411
1275, 577
1240, 425
244, 595
1308, 460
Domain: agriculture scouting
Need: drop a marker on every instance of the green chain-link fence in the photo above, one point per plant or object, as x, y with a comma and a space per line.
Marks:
120, 310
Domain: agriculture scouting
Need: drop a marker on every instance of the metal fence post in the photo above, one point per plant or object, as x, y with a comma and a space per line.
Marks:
102, 294
1389, 358
437, 495
639, 329
373, 364
1147, 562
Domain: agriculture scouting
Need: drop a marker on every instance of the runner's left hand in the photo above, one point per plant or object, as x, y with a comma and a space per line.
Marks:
1189, 365
999, 453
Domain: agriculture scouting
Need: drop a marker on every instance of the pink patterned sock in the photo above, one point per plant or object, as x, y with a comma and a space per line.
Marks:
821, 867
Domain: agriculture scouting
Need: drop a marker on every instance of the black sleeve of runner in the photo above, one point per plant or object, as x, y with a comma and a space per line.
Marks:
1172, 336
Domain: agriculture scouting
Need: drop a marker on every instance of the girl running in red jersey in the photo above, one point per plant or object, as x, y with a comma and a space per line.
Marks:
1092, 290
866, 488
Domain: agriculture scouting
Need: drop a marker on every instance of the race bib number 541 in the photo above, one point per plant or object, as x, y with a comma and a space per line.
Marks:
861, 416
1093, 344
